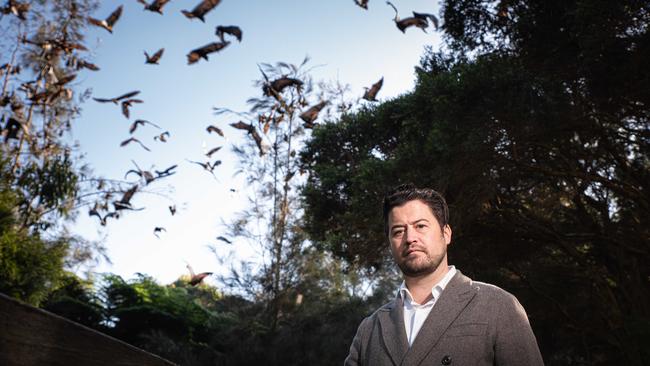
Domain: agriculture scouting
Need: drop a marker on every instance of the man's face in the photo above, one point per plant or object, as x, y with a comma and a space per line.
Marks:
417, 242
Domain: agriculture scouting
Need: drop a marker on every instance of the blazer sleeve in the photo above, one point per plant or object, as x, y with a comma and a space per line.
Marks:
354, 357
515, 342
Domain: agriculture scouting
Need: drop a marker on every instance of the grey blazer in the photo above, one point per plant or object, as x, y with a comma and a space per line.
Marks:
472, 323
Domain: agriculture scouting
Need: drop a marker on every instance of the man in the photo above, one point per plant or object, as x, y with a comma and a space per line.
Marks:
440, 316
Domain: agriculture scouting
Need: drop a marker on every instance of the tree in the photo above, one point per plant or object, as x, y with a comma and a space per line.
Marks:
541, 153
276, 125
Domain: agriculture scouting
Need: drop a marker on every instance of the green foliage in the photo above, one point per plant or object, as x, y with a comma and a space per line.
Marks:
30, 267
535, 129
75, 299
150, 316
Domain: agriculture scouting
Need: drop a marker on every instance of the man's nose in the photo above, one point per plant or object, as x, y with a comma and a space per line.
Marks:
409, 235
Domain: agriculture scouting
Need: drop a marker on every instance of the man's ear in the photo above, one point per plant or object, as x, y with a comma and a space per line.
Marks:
446, 233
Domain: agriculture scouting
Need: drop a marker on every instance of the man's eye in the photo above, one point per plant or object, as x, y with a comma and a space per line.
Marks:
397, 232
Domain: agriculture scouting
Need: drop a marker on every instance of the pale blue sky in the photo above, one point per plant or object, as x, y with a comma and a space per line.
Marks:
358, 46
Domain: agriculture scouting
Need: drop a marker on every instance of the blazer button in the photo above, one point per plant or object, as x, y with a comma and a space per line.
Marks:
446, 360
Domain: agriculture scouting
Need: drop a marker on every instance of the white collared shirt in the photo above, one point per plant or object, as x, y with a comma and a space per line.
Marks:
414, 313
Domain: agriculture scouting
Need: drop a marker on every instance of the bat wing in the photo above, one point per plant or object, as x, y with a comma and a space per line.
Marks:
127, 141
102, 100
214, 47
125, 108
128, 95
156, 56
215, 129
96, 22
204, 7
243, 126
212, 151
115, 15
427, 17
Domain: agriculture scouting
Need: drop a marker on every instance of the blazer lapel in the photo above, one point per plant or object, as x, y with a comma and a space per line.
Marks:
451, 303
393, 333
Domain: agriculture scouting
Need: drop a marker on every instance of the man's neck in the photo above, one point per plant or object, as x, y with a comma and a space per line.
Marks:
420, 287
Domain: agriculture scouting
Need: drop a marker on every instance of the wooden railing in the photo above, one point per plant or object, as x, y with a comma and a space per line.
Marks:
31, 336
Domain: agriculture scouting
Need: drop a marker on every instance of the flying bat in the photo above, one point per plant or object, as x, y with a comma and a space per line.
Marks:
362, 3
196, 279
162, 137
202, 52
201, 9
148, 177
126, 104
153, 60
253, 132
224, 239
419, 20
212, 151
155, 6
207, 166
371, 94
102, 219
125, 202
13, 127
427, 17
157, 230
140, 122
278, 85
213, 128
117, 99
133, 139
16, 8
311, 114
167, 172
109, 22
82, 64
233, 30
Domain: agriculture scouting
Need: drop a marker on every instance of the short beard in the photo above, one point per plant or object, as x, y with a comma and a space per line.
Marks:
421, 267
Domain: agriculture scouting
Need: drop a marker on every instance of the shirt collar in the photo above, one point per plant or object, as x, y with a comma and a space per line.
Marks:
436, 290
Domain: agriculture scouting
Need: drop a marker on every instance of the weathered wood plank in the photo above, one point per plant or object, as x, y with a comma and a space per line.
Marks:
31, 336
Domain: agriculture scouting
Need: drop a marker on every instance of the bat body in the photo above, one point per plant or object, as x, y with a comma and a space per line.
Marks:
233, 30
202, 52
212, 128
419, 20
195, 279
362, 3
126, 104
157, 230
125, 202
253, 132
109, 22
278, 85
162, 137
16, 8
102, 219
133, 139
371, 94
153, 60
155, 6
201, 9
140, 122
311, 114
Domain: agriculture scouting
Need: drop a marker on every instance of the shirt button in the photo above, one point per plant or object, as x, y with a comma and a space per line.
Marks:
446, 360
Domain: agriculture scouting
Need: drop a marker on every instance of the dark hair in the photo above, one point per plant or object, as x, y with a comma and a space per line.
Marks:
409, 192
